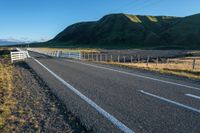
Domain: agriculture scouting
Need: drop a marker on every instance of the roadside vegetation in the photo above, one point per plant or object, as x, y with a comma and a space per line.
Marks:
7, 103
180, 69
27, 103
175, 62
86, 50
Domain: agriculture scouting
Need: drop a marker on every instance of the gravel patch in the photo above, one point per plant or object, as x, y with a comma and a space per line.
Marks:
37, 108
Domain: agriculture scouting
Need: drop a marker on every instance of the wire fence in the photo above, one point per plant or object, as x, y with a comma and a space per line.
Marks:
146, 61
187, 64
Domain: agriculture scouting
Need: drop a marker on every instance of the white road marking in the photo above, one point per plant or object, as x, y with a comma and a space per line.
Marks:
111, 118
170, 101
193, 96
136, 75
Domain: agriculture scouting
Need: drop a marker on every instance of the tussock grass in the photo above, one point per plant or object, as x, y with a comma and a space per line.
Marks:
86, 50
6, 90
180, 69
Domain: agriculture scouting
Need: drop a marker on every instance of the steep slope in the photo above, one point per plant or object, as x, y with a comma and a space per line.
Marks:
133, 31
186, 33
117, 30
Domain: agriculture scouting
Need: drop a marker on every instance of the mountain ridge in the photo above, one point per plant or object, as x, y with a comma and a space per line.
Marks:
132, 31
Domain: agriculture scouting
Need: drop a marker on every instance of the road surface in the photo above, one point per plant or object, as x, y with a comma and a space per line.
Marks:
112, 99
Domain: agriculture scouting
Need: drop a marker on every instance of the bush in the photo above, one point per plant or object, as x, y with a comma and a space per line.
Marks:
5, 56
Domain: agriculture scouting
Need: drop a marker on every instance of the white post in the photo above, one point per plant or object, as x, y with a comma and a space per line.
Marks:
11, 57
97, 57
88, 56
80, 55
92, 56
100, 57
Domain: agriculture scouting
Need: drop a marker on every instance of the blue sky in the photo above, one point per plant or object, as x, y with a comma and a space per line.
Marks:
43, 19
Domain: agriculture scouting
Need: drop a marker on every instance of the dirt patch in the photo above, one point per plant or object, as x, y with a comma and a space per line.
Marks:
35, 108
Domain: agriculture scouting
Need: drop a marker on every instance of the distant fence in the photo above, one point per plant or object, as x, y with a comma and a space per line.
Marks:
59, 54
144, 61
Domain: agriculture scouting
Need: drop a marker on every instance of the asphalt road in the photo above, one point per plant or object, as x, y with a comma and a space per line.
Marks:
136, 101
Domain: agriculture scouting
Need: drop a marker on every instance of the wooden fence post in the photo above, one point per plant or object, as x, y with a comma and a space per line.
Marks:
193, 64
157, 61
167, 62
138, 59
147, 61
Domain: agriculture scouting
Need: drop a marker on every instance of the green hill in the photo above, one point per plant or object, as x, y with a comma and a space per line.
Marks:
185, 34
132, 31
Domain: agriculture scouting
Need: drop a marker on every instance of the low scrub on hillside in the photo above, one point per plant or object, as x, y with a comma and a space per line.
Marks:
123, 31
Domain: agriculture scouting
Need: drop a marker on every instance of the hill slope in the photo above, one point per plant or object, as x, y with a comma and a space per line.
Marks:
132, 31
186, 33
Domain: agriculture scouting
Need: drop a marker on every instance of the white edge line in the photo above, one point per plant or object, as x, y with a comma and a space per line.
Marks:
132, 74
193, 96
170, 101
111, 118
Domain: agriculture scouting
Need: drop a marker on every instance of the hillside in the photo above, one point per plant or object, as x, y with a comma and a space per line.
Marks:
186, 33
132, 31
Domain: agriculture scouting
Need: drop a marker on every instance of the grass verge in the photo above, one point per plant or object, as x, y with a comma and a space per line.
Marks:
6, 90
178, 72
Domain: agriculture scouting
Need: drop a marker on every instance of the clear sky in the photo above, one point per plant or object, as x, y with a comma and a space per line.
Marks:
43, 19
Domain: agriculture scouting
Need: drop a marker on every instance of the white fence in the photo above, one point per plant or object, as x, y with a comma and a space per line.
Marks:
59, 54
73, 55
19, 55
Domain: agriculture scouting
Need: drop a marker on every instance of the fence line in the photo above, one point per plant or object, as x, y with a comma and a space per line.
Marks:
147, 61
191, 64
59, 54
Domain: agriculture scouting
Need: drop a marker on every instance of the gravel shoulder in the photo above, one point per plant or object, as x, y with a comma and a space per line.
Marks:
36, 109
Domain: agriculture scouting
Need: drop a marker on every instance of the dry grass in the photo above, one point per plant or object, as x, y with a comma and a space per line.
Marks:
178, 67
6, 90
66, 50
181, 65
